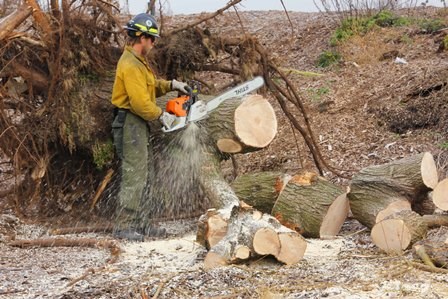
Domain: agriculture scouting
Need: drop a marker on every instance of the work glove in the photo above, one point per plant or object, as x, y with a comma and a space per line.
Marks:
167, 120
180, 86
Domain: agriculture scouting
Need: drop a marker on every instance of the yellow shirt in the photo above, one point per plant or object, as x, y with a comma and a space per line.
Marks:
136, 87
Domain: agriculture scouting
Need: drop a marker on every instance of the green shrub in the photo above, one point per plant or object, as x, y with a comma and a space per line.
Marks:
328, 58
431, 25
362, 25
103, 154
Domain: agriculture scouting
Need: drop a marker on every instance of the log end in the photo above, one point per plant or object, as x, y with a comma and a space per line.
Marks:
266, 242
216, 230
391, 235
227, 145
394, 207
242, 253
429, 173
335, 217
440, 195
292, 248
255, 121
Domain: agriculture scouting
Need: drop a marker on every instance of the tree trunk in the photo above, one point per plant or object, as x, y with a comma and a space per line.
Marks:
12, 21
304, 203
398, 231
375, 188
261, 189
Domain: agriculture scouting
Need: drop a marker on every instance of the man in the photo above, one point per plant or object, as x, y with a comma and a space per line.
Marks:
134, 96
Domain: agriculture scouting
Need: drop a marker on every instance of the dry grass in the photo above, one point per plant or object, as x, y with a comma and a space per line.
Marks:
369, 48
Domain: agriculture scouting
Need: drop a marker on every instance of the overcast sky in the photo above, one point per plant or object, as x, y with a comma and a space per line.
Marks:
197, 6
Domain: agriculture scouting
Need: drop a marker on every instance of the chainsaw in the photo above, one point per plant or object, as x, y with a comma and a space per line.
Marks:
188, 108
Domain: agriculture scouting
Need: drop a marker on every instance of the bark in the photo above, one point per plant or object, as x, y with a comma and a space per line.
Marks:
398, 231
374, 188
260, 190
12, 21
304, 203
40, 18
426, 206
434, 248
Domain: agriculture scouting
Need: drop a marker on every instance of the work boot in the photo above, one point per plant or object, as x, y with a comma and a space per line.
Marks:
129, 234
153, 231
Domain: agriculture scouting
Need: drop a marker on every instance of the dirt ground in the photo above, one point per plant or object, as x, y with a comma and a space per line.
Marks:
355, 108
347, 267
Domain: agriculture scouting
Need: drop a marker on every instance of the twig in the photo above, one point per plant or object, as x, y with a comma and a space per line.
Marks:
218, 12
240, 21
428, 268
421, 252
82, 229
289, 19
160, 287
101, 188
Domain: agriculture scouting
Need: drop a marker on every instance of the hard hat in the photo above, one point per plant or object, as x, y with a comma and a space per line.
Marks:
142, 24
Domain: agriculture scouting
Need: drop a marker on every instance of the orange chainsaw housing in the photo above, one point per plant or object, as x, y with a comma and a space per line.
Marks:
176, 106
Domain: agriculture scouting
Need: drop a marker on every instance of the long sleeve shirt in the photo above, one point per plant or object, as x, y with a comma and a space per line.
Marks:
136, 87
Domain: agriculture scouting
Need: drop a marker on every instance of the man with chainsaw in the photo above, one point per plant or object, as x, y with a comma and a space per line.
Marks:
134, 96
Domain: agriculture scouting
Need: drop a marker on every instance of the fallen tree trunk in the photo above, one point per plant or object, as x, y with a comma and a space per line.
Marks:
12, 21
306, 201
261, 189
378, 188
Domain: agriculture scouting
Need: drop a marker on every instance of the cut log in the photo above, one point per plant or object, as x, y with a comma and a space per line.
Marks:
395, 233
433, 221
261, 189
304, 203
242, 125
250, 237
12, 21
375, 188
440, 195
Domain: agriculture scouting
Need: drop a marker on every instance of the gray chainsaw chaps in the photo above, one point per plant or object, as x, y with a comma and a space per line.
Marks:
117, 131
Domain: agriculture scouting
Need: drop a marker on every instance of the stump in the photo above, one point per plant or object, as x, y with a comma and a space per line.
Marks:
377, 188
305, 202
